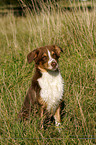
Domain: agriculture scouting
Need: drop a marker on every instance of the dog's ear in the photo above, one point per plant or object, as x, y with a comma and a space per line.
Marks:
61, 49
32, 55
58, 50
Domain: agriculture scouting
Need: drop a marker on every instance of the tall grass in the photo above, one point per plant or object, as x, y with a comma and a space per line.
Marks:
75, 32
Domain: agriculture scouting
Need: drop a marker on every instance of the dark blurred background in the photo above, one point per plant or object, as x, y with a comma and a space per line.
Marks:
18, 6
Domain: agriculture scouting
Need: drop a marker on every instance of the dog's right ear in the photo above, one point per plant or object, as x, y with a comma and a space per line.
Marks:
32, 55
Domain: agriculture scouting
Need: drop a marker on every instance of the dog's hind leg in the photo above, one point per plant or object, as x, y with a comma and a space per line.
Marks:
26, 108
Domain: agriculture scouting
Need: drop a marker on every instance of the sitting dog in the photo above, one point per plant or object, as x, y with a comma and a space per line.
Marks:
47, 84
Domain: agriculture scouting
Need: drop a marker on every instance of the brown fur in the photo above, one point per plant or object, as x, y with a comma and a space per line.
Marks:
40, 57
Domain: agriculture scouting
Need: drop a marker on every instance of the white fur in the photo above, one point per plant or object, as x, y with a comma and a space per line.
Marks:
50, 61
51, 84
50, 58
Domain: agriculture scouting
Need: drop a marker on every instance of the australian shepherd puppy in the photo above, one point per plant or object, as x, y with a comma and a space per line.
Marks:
47, 85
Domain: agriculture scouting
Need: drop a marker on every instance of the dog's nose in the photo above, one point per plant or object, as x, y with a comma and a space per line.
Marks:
53, 64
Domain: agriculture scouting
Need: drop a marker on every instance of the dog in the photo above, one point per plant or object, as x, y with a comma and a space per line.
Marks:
47, 85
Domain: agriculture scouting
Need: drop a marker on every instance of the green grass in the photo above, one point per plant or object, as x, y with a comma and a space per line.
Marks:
75, 32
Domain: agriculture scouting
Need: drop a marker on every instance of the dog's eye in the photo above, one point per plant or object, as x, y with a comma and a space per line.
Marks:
53, 54
44, 57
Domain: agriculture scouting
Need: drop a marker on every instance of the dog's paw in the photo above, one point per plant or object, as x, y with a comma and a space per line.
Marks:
58, 126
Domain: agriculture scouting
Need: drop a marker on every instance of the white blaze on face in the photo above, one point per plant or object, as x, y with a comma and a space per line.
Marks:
50, 61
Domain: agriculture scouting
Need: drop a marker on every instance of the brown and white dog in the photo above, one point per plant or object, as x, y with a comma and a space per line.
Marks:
47, 84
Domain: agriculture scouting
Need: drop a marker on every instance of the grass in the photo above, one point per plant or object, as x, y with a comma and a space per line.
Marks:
75, 32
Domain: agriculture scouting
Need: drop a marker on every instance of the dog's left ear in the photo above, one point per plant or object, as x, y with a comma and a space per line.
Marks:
58, 50
61, 49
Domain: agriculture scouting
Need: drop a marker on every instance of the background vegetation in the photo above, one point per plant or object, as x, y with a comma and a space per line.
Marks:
75, 32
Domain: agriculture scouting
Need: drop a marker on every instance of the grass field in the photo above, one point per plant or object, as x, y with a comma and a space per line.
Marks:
75, 32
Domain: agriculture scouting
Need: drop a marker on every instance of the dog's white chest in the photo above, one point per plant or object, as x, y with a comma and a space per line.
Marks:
51, 89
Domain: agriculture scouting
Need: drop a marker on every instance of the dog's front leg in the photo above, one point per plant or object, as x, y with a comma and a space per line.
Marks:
41, 116
57, 118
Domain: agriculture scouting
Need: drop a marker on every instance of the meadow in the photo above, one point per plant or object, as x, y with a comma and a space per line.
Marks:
75, 32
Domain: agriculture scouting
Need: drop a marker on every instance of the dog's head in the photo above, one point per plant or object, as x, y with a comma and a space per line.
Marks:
46, 58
